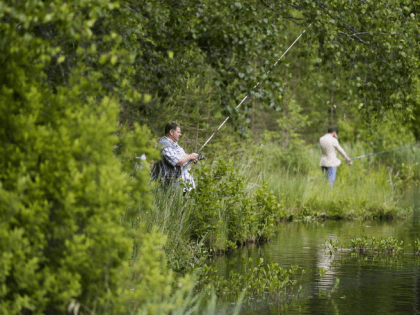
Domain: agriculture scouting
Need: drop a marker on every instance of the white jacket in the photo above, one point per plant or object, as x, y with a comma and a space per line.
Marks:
328, 145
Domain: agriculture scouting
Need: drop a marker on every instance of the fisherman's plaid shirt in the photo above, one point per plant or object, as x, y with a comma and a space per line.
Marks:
172, 153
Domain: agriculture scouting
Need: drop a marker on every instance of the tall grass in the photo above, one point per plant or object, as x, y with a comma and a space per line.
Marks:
242, 207
371, 187
171, 217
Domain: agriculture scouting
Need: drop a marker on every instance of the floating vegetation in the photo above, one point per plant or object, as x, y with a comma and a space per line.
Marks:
331, 245
387, 246
359, 243
371, 245
264, 278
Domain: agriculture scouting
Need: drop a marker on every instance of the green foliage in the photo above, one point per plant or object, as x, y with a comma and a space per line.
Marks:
148, 286
290, 149
359, 243
63, 193
309, 195
331, 245
417, 247
170, 214
253, 280
405, 177
322, 272
196, 230
224, 211
360, 39
71, 209
220, 207
153, 288
388, 246
150, 277
268, 210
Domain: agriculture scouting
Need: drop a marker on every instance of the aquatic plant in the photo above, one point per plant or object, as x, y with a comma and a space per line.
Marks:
253, 280
360, 243
322, 271
325, 292
389, 245
331, 245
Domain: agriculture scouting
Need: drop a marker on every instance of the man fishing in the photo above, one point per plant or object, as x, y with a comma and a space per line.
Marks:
329, 161
174, 159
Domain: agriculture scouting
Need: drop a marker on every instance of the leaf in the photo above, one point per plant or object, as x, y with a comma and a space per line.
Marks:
147, 98
238, 5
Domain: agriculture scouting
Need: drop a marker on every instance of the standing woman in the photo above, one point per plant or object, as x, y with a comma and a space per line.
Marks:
329, 161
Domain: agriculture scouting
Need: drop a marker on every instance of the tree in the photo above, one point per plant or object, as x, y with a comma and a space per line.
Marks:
63, 190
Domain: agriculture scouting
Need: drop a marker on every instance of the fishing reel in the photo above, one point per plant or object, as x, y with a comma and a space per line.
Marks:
200, 157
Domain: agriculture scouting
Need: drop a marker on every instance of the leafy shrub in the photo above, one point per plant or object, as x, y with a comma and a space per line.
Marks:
63, 191
63, 196
224, 211
268, 210
220, 205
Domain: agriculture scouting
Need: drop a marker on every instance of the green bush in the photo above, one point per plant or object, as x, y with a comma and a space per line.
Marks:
62, 199
219, 205
268, 210
63, 191
225, 211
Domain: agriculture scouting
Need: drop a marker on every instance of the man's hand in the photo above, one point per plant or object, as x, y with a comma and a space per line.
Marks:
194, 157
188, 157
348, 159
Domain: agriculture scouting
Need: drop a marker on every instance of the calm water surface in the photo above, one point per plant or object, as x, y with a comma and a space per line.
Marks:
367, 284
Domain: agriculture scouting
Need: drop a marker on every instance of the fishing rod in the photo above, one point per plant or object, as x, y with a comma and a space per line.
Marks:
398, 149
247, 96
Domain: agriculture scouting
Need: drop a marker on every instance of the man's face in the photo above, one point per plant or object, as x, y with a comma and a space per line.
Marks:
334, 134
175, 134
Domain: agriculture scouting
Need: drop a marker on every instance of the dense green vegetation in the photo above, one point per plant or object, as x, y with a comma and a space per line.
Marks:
86, 86
384, 246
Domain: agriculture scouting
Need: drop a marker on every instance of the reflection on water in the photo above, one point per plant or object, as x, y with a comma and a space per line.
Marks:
368, 284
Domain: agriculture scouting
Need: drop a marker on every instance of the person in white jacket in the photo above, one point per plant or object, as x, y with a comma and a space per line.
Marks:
329, 161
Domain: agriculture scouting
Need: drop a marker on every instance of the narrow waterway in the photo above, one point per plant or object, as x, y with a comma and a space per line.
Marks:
368, 284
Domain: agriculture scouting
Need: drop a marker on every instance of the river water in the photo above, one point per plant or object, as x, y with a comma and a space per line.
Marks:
368, 284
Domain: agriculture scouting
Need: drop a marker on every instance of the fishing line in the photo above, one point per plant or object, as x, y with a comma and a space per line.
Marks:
247, 96
398, 149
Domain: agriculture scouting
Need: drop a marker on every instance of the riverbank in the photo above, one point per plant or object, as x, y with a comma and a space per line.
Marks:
239, 202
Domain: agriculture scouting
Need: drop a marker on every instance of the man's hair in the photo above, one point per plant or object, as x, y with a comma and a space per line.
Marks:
332, 129
171, 126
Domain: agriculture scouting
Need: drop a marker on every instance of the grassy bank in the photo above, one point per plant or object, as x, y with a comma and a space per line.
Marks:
370, 188
239, 201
